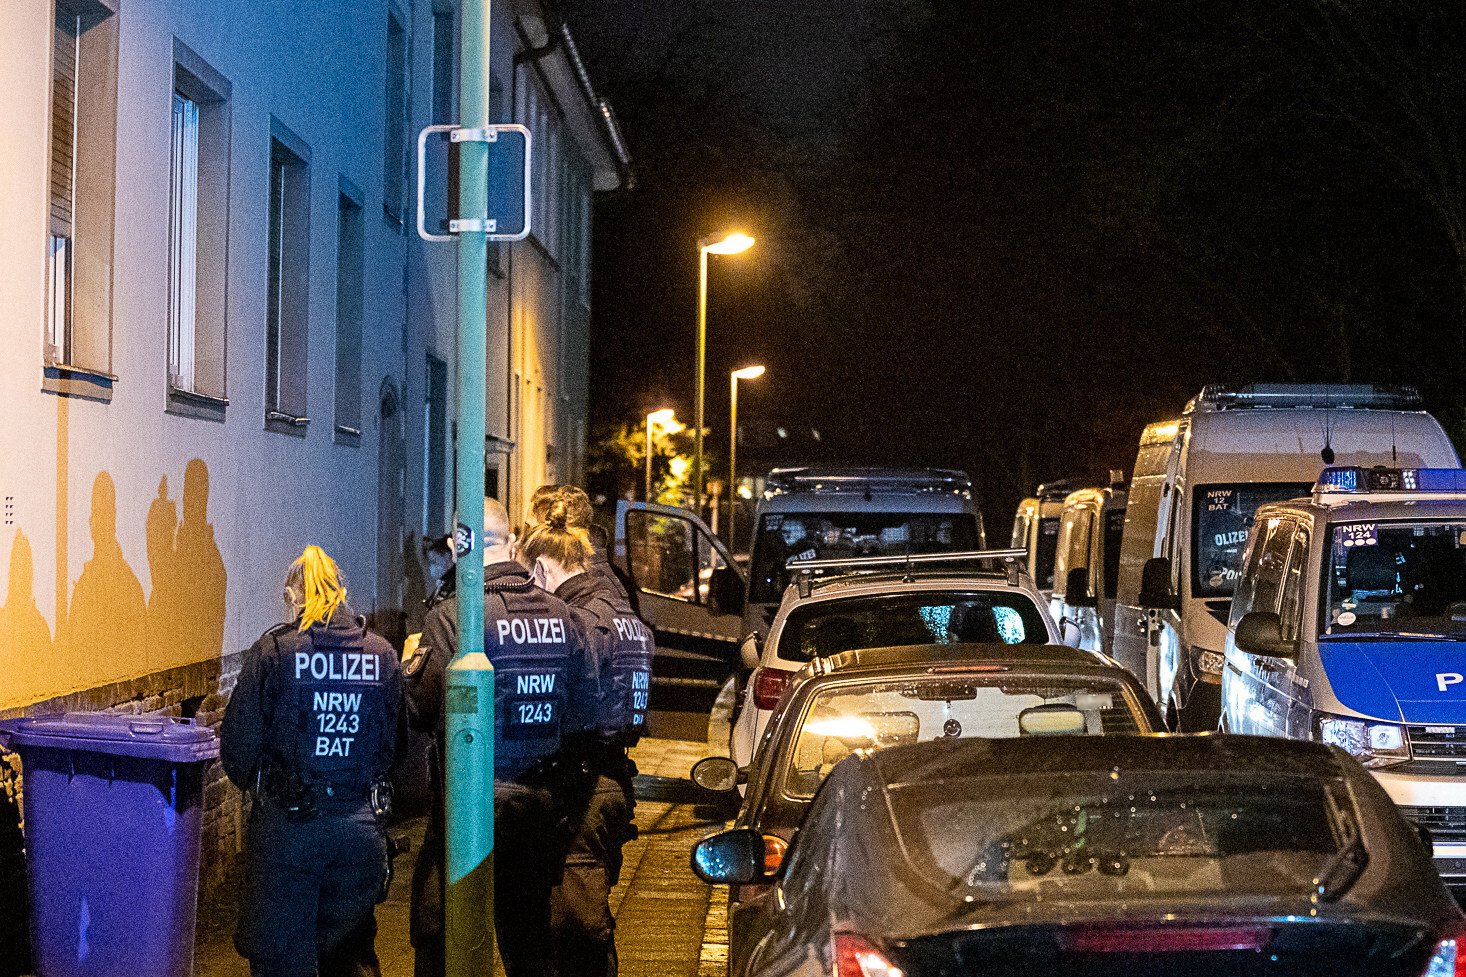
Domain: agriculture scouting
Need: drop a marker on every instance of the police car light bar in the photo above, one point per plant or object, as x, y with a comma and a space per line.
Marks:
1359, 481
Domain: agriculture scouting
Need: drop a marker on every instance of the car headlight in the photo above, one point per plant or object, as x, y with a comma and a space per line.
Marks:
1375, 745
1208, 662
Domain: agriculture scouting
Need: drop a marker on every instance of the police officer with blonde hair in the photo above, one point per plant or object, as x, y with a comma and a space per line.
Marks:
311, 732
560, 554
545, 690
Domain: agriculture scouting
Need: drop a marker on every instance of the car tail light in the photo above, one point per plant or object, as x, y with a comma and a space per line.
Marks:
768, 685
855, 956
1167, 939
1448, 960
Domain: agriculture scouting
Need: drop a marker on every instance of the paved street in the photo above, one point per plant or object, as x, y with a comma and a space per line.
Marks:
669, 923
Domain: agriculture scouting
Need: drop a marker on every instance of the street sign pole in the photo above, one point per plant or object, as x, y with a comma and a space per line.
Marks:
469, 700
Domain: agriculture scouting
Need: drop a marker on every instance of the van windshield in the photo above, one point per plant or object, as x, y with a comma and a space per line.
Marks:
785, 536
1223, 517
1048, 551
1397, 579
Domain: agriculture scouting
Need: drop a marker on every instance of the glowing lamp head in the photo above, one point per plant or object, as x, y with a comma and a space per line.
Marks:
661, 417
748, 373
735, 243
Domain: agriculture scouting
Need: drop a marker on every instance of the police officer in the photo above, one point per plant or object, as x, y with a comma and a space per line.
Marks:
311, 731
545, 692
561, 557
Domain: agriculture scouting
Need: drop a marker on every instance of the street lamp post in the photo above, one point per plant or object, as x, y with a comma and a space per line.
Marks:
655, 417
747, 373
735, 243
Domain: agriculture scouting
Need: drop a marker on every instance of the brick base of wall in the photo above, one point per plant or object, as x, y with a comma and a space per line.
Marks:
200, 691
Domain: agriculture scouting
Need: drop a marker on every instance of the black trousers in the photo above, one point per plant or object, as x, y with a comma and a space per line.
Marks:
584, 929
530, 833
311, 891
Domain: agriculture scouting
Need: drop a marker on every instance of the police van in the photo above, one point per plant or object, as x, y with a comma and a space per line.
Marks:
1087, 564
1036, 529
1233, 450
1348, 625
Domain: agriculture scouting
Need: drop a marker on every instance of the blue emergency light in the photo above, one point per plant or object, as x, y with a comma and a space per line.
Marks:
1361, 480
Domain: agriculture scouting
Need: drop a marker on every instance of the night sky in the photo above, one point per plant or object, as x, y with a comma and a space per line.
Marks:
1002, 236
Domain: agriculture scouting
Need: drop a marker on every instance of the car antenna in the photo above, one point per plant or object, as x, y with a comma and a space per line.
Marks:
1327, 454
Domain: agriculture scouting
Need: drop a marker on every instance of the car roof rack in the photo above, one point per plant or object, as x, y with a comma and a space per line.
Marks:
1008, 559
1327, 396
908, 481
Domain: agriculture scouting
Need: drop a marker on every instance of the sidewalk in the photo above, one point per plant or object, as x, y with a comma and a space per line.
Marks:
668, 923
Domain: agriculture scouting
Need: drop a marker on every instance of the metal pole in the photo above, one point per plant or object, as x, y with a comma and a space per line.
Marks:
469, 700
732, 458
702, 349
648, 457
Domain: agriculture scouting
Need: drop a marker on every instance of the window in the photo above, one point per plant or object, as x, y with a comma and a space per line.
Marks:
349, 263
198, 238
445, 46
661, 552
435, 451
1271, 564
1223, 516
394, 147
288, 283
1291, 605
1113, 536
828, 627
78, 336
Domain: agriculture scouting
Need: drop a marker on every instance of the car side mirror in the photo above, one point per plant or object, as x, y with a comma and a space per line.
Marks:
718, 775
731, 857
1261, 633
1155, 586
1076, 588
727, 591
752, 650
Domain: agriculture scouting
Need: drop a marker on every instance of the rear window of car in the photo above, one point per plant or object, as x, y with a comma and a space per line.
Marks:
862, 717
1104, 835
829, 627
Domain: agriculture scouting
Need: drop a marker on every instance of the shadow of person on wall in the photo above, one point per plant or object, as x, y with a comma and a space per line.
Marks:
25, 637
108, 618
186, 608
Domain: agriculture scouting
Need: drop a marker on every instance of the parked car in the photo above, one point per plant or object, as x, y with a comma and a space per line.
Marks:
1095, 856
1348, 626
1234, 450
865, 700
1036, 530
1087, 564
937, 603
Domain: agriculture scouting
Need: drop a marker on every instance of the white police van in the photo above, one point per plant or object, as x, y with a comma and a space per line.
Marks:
1348, 625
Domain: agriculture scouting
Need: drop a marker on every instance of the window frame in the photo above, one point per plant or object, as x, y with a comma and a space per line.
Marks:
287, 281
347, 415
641, 515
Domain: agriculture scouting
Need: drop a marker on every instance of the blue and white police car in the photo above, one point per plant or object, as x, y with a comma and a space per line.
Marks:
1348, 625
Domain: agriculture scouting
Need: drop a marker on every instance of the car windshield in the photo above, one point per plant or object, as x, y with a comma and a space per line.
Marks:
785, 536
827, 627
1223, 517
1396, 578
863, 717
1110, 834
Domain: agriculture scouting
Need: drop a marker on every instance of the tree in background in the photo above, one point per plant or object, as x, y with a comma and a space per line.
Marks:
616, 461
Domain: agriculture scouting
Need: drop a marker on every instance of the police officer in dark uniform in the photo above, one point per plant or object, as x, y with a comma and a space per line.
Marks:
561, 558
311, 731
545, 690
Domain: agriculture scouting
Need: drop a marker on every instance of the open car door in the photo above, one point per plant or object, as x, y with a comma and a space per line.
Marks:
690, 590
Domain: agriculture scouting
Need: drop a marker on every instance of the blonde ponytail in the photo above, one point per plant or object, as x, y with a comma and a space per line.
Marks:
314, 583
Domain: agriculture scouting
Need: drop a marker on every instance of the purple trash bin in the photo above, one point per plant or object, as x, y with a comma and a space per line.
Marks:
113, 808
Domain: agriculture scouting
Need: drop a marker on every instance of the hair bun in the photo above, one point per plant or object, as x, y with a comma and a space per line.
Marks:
558, 518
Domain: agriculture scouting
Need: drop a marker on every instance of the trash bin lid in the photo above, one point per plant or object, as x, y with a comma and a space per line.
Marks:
147, 737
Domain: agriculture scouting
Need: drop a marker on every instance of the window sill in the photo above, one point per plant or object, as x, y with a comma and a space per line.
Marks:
202, 407
348, 436
282, 423
66, 380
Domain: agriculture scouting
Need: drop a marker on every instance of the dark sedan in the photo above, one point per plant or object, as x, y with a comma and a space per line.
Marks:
861, 701
1096, 857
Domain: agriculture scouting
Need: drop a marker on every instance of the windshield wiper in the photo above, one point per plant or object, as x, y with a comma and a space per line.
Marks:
1342, 869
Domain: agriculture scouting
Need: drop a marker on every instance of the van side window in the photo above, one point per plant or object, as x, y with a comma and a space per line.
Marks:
1272, 564
1291, 606
1137, 541
1247, 579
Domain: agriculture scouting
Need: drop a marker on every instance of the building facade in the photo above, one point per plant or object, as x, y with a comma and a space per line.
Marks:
223, 339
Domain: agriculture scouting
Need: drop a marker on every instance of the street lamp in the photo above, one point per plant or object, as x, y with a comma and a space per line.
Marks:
747, 373
735, 243
662, 416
